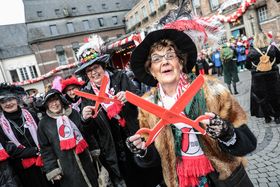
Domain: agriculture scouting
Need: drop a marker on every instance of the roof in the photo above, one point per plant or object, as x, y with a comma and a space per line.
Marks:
13, 41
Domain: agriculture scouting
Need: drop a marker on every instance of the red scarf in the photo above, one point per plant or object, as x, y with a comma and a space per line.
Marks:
112, 109
193, 163
31, 125
3, 154
69, 135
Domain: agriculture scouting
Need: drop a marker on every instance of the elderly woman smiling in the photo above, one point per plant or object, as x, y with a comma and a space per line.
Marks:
114, 122
63, 146
188, 158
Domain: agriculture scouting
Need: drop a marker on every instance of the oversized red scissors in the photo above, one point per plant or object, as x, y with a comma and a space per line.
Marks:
100, 98
171, 116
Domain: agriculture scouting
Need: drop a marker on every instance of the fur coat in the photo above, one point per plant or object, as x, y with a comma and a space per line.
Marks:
218, 100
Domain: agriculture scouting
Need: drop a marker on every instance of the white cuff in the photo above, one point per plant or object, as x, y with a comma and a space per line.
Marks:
230, 142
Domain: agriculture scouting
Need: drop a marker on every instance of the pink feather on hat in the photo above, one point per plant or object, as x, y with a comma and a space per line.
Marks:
56, 84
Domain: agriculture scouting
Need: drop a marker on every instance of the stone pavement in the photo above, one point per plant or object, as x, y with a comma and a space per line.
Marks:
264, 163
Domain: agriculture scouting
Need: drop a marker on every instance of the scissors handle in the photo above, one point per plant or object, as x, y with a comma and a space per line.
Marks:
153, 133
147, 131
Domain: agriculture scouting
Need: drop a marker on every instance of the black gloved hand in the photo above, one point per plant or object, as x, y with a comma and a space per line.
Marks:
133, 148
219, 128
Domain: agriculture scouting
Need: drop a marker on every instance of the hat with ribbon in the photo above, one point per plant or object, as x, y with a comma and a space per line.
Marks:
141, 53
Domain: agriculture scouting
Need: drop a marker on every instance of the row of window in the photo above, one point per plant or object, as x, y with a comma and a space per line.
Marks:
214, 4
86, 24
74, 10
136, 18
24, 73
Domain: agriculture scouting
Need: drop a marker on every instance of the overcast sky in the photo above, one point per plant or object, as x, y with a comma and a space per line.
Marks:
11, 12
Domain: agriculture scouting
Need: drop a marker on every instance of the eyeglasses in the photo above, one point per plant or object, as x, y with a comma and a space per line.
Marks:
93, 68
6, 100
158, 58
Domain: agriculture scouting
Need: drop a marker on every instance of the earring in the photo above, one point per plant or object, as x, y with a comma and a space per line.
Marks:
155, 78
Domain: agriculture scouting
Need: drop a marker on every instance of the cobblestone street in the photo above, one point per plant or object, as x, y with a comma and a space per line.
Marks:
264, 162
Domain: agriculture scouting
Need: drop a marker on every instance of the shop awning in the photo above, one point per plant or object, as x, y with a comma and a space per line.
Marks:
137, 38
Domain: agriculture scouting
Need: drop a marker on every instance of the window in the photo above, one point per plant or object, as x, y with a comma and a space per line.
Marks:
33, 72
89, 7
57, 12
104, 6
23, 73
53, 30
152, 6
137, 17
70, 27
115, 20
39, 13
144, 11
75, 47
86, 24
74, 10
262, 13
61, 58
214, 4
130, 21
117, 4
101, 22
60, 55
14, 75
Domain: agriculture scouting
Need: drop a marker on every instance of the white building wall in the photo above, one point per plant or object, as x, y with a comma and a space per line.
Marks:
21, 62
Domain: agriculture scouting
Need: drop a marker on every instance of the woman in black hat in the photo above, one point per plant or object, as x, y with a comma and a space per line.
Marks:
163, 60
114, 122
63, 147
18, 134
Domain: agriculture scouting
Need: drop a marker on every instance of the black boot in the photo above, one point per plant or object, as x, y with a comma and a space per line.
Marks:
235, 90
277, 120
229, 87
267, 119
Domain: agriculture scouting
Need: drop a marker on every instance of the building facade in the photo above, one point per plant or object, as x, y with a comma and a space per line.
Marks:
263, 15
17, 61
56, 29
146, 13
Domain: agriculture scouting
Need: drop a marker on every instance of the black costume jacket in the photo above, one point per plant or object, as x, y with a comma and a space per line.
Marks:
64, 162
111, 137
265, 87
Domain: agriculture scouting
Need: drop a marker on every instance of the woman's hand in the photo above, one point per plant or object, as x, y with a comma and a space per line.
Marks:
57, 178
121, 96
136, 144
87, 112
216, 127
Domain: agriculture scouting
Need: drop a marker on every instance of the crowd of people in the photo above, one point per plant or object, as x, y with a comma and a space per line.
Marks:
72, 143
237, 55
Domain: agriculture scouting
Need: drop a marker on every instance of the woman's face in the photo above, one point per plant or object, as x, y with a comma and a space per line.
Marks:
95, 73
54, 105
70, 91
165, 66
9, 105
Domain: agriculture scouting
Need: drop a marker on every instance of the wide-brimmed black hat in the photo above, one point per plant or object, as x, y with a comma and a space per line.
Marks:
50, 94
140, 54
8, 91
103, 60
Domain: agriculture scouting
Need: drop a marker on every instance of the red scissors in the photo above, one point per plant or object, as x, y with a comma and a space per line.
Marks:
100, 98
171, 116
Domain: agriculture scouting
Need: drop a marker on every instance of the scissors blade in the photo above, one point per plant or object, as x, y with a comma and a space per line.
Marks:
185, 98
144, 104
94, 97
102, 89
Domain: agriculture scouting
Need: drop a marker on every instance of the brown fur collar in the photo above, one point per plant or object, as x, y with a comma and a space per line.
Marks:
219, 101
